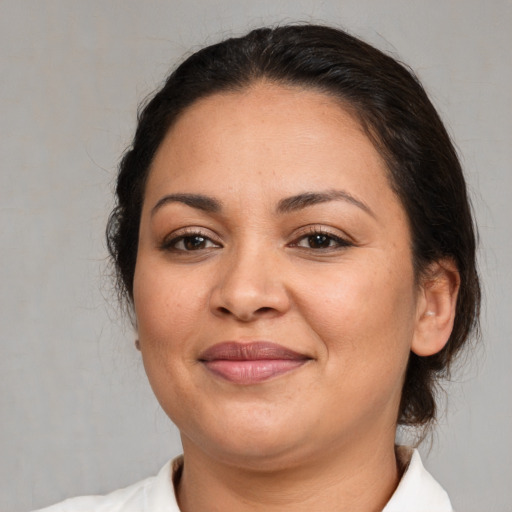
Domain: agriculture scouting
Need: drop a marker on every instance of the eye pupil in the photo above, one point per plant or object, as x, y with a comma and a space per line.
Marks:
319, 241
194, 242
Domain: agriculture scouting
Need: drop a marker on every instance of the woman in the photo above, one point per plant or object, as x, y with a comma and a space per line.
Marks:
294, 236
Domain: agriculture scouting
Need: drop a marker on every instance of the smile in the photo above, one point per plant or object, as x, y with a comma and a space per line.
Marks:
251, 363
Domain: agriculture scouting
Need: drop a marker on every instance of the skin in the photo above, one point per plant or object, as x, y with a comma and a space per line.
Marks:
320, 437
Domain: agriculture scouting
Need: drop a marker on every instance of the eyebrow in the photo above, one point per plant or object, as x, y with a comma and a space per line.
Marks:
198, 201
287, 205
300, 201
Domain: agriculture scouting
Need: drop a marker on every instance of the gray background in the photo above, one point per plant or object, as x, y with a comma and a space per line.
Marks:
77, 415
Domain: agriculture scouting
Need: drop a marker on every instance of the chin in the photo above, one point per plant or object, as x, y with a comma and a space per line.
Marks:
255, 441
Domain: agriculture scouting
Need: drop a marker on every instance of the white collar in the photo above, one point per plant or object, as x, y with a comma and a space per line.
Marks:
159, 496
417, 490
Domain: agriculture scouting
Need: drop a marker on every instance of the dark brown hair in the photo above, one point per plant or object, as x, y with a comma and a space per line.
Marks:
397, 115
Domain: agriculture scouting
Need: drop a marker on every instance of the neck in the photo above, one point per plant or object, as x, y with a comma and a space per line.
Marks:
355, 480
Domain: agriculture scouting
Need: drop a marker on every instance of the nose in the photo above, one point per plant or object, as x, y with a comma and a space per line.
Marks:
250, 286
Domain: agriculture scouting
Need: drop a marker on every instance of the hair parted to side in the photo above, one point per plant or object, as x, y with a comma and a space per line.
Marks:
396, 114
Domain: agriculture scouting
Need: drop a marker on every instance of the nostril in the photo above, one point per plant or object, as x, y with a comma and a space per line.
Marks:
245, 316
264, 310
248, 300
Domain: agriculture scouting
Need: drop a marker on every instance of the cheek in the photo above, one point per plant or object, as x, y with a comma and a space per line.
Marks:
166, 306
365, 317
166, 309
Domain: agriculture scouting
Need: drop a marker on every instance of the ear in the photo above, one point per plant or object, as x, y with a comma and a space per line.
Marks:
437, 301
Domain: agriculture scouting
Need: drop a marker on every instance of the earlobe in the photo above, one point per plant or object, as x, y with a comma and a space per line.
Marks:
437, 303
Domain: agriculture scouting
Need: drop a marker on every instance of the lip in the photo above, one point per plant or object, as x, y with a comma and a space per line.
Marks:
251, 363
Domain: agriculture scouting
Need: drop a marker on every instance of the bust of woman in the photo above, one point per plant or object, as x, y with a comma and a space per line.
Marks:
293, 233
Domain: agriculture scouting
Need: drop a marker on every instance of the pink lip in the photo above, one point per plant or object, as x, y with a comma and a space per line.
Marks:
250, 363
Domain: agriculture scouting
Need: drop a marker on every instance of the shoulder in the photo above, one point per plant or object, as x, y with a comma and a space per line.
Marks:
153, 494
417, 491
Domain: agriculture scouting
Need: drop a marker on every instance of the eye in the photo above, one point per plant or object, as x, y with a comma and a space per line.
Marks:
189, 242
321, 240
192, 243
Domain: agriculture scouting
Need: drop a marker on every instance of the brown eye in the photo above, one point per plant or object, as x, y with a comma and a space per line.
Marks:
189, 243
192, 243
319, 241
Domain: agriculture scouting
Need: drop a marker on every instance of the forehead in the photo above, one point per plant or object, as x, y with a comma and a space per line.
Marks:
280, 138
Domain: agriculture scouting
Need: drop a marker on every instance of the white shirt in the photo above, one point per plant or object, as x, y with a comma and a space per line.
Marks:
416, 492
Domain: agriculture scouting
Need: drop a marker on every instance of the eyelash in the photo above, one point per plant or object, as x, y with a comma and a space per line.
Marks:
170, 244
339, 242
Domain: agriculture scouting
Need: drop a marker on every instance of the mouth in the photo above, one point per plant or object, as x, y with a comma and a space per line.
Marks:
250, 363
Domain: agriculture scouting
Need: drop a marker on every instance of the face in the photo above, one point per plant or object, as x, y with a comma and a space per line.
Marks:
274, 289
